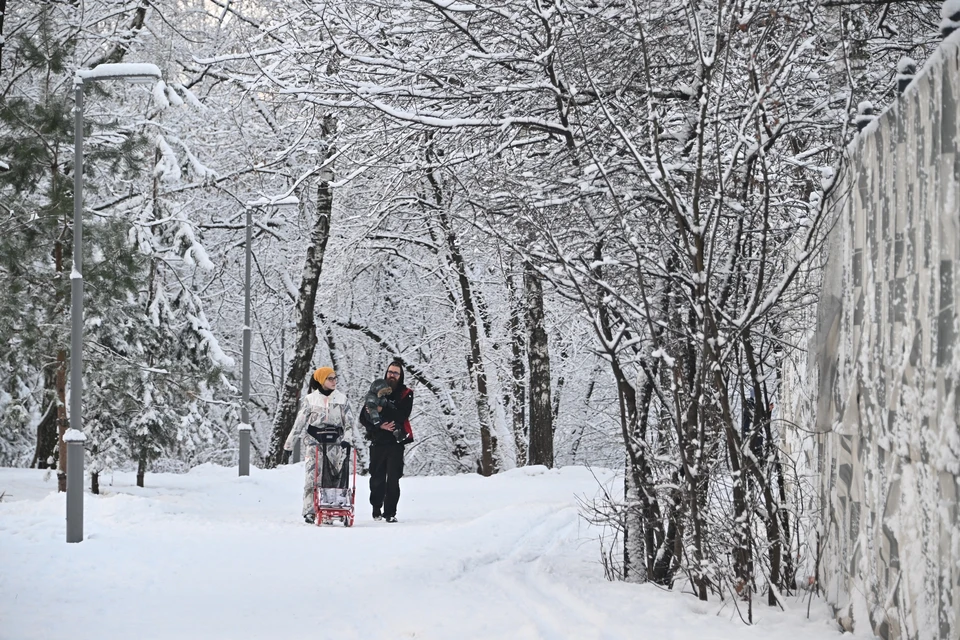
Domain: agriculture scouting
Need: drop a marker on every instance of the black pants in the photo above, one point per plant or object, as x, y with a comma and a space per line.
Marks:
386, 469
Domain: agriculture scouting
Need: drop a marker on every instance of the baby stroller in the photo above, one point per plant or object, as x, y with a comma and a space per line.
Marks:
335, 489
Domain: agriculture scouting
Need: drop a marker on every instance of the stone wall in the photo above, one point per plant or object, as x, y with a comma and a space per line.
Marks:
886, 371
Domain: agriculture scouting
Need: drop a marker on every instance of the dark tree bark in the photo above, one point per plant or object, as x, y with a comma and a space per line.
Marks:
306, 330
739, 463
331, 346
641, 539
538, 360
141, 466
649, 551
488, 440
776, 536
123, 42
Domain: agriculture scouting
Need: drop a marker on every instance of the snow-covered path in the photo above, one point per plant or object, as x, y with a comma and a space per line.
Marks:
210, 555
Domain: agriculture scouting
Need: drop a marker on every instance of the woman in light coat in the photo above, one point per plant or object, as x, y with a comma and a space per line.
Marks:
324, 404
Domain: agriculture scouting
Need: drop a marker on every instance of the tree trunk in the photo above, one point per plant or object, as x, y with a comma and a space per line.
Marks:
558, 389
775, 516
517, 388
489, 463
61, 419
789, 570
488, 440
95, 483
122, 44
742, 552
141, 466
331, 347
582, 427
306, 330
3, 12
538, 360
47, 428
643, 527
61, 382
635, 547
53, 424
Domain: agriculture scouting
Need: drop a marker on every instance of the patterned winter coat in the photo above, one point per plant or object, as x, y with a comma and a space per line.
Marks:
321, 409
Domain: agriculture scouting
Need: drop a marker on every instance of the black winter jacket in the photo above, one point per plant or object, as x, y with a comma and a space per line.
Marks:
402, 398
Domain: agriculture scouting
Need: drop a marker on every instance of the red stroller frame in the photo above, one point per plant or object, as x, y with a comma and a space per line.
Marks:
328, 514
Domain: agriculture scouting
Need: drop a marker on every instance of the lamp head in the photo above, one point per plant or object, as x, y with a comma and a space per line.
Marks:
274, 201
135, 72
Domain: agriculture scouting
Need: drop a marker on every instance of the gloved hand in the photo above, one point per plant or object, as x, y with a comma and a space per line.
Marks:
285, 458
346, 446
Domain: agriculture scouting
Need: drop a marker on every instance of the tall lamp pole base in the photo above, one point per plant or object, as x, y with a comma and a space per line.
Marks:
244, 430
74, 440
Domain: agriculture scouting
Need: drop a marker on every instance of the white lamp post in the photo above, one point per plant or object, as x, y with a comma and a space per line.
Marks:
245, 426
74, 437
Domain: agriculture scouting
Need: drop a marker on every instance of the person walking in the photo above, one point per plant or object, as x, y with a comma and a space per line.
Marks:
324, 405
388, 433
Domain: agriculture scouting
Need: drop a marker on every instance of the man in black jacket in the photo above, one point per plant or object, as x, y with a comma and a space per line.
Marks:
387, 439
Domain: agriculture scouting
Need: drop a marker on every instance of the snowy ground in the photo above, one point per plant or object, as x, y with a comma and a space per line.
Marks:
210, 555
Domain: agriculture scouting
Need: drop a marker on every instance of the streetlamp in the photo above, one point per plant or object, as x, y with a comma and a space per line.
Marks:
74, 437
245, 426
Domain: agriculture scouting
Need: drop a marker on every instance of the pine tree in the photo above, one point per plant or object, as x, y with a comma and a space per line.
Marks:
153, 369
35, 146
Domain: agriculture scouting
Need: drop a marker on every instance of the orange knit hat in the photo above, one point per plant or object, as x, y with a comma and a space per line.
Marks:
321, 374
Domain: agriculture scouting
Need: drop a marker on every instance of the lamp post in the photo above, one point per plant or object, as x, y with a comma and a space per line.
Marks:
74, 437
245, 426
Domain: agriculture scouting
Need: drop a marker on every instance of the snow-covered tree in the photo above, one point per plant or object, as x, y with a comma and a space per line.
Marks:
142, 311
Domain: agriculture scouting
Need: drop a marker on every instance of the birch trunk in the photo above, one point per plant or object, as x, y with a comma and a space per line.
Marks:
517, 389
306, 329
538, 360
3, 12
